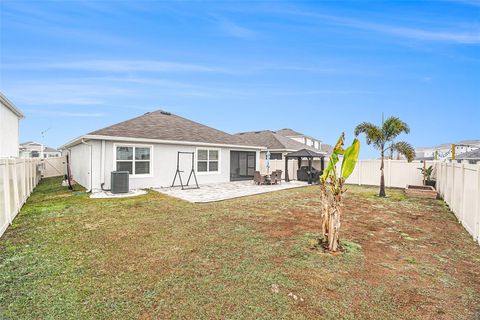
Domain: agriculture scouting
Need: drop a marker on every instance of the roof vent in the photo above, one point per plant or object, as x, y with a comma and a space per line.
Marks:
165, 113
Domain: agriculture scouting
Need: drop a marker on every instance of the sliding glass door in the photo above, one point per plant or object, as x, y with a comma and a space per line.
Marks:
242, 165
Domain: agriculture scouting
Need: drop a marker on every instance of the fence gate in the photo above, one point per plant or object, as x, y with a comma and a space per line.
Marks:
54, 167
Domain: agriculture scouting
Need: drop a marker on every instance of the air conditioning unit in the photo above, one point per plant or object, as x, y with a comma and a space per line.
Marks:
119, 182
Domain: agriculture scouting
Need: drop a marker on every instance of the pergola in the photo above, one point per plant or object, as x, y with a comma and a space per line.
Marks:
304, 154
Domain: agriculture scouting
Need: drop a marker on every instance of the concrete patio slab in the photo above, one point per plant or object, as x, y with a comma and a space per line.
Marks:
108, 194
225, 191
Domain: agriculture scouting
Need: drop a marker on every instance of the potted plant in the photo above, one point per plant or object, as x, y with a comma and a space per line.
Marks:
427, 176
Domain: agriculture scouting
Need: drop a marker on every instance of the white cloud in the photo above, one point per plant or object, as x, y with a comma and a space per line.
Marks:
236, 30
68, 114
118, 66
459, 35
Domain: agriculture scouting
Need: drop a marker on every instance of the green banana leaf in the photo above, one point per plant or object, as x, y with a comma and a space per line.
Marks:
350, 158
337, 150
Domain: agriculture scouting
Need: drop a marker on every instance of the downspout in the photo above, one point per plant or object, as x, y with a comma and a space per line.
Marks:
91, 173
102, 167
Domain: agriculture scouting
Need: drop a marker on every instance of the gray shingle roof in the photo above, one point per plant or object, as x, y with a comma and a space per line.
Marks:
474, 154
163, 125
287, 132
272, 140
48, 149
470, 142
305, 153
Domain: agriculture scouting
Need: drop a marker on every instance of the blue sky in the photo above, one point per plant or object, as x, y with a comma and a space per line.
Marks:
317, 67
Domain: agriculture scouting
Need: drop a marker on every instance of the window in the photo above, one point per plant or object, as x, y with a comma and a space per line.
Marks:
133, 159
275, 156
207, 160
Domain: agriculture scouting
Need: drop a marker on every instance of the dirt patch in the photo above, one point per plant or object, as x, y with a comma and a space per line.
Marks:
406, 253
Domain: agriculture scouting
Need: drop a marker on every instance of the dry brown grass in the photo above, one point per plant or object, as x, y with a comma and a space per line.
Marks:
152, 257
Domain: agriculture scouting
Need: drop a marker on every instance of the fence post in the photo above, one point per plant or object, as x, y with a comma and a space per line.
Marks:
359, 172
477, 225
452, 189
27, 177
462, 198
444, 178
389, 184
24, 180
16, 197
6, 189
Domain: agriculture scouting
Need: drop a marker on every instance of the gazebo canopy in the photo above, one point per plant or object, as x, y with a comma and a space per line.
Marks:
305, 153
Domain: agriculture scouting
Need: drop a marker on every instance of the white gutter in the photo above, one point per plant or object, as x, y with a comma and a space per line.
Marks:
91, 165
11, 106
102, 164
160, 141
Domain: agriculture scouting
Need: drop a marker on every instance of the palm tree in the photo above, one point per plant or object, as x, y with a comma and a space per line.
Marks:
382, 136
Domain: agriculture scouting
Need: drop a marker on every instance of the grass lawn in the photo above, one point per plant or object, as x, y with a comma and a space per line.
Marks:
70, 257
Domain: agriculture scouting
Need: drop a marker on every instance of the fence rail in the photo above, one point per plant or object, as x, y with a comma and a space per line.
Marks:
18, 178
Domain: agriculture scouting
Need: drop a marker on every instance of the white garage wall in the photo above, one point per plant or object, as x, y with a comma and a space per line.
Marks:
9, 130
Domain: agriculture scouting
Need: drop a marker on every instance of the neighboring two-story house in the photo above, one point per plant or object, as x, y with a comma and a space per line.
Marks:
32, 149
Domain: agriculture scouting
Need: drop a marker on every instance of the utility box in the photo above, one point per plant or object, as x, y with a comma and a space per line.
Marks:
120, 182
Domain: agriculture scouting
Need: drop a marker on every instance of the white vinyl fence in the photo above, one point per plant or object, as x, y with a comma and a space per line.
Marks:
398, 173
459, 185
18, 177
54, 167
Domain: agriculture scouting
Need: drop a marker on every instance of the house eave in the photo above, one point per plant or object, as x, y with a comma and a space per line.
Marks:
11, 106
78, 140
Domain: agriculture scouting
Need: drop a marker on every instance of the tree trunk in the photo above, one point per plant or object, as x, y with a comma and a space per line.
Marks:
334, 234
382, 177
324, 211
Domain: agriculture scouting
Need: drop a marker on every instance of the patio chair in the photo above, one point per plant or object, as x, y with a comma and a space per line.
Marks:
279, 175
274, 178
258, 178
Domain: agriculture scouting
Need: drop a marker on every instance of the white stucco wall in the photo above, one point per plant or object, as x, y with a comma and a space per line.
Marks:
80, 164
164, 164
9, 131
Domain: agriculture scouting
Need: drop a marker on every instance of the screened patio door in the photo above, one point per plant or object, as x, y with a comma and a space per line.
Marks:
242, 165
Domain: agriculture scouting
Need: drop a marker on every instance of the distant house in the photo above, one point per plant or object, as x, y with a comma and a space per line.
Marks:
278, 144
300, 137
10, 117
31, 149
471, 157
148, 146
444, 151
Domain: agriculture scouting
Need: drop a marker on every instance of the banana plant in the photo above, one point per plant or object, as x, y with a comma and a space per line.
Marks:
332, 186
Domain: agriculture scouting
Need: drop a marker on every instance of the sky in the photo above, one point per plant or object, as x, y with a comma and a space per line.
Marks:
318, 67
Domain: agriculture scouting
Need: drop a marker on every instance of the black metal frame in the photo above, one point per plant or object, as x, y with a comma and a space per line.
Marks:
249, 153
192, 172
299, 162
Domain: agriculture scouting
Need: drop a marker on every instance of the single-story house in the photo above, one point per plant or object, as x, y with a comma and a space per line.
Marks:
10, 117
148, 146
32, 149
278, 146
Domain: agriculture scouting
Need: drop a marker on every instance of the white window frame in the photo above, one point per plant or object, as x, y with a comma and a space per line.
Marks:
219, 171
133, 175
